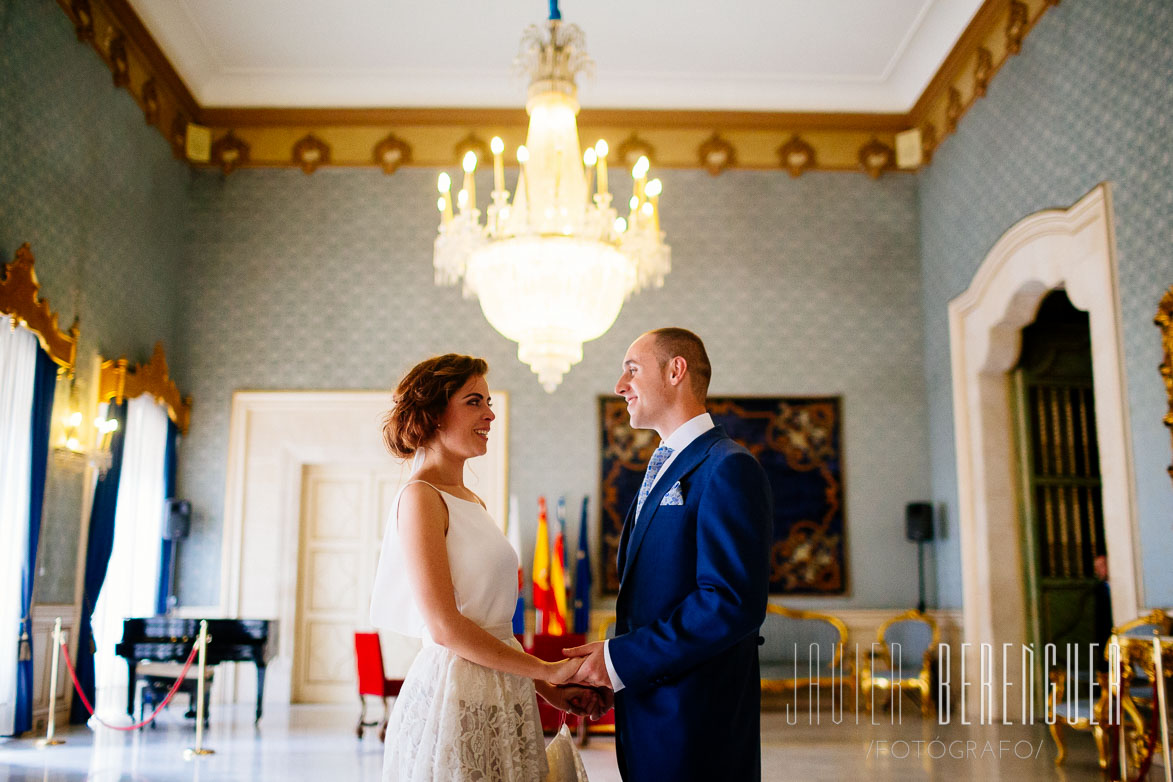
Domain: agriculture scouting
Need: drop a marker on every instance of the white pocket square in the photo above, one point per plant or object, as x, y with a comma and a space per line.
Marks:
674, 496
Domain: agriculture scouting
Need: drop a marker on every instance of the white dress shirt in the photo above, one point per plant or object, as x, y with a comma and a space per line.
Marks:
677, 441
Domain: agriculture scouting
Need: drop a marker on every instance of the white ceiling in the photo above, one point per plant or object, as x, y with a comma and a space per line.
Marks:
758, 55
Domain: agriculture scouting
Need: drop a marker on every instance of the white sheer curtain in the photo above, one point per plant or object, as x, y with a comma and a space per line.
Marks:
18, 361
133, 573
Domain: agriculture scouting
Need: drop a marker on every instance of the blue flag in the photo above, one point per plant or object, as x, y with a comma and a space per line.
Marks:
582, 578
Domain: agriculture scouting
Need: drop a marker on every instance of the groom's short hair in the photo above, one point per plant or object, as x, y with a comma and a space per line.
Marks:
672, 342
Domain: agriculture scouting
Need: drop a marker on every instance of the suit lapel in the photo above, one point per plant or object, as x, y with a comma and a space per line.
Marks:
681, 466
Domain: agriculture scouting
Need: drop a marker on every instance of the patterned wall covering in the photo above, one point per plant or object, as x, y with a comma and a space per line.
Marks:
798, 286
1088, 100
99, 197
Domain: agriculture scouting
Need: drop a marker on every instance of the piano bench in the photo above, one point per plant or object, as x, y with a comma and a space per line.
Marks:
158, 678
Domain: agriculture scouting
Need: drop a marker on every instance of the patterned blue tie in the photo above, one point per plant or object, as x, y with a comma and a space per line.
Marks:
658, 458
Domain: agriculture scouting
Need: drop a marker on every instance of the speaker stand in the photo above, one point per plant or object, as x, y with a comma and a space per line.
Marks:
920, 575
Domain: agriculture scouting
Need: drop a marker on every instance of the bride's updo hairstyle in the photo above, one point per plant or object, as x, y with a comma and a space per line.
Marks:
421, 398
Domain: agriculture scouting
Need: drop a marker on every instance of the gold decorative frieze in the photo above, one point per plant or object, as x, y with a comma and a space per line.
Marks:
1164, 321
392, 138
229, 153
716, 155
117, 381
632, 148
310, 152
391, 153
796, 156
20, 301
876, 157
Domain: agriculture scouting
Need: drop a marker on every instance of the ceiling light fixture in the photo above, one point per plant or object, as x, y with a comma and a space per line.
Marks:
552, 265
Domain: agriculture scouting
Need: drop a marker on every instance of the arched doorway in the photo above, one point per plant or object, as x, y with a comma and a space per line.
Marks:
1070, 249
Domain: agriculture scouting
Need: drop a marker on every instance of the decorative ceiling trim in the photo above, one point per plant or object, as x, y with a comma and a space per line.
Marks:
19, 300
993, 36
117, 381
348, 137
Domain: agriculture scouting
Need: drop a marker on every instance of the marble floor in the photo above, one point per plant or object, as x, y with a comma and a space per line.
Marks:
318, 743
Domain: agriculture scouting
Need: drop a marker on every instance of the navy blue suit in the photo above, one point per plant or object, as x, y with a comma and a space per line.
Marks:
693, 586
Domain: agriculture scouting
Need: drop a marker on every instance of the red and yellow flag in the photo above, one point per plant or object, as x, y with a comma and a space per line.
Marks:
543, 600
557, 623
549, 579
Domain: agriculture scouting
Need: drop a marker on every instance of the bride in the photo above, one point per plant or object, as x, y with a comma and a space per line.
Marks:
467, 709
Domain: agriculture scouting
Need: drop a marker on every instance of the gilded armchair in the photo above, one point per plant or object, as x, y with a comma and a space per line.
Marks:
905, 653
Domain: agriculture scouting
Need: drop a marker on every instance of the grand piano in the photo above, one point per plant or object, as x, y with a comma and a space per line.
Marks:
170, 639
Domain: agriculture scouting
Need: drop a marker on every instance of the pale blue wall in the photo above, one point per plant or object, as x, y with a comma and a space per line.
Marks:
1090, 99
100, 199
798, 286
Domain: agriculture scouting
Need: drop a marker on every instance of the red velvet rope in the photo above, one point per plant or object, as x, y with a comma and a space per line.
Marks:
85, 701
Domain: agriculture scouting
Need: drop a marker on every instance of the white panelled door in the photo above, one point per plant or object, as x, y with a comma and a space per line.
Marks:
343, 510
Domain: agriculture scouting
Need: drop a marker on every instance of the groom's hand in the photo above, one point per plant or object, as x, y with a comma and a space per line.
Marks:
593, 670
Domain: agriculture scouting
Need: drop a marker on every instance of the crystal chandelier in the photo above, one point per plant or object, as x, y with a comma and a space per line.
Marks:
553, 263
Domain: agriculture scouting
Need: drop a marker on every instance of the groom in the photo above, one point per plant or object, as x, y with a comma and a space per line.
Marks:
693, 565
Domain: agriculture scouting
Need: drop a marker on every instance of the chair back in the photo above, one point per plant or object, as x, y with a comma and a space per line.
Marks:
1156, 622
907, 638
549, 647
813, 640
368, 657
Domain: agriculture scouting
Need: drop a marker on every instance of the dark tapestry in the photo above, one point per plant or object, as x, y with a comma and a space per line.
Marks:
797, 441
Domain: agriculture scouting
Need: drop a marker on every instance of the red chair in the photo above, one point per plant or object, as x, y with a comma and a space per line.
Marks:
368, 656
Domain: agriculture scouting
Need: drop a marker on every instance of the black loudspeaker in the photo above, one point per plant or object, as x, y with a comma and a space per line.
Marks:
918, 521
176, 519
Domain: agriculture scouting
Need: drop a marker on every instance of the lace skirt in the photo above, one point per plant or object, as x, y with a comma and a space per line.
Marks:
456, 721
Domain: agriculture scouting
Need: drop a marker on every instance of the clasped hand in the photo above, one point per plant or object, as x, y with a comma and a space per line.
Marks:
581, 684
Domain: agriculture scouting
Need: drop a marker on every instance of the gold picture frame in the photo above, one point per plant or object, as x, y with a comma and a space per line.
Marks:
1164, 321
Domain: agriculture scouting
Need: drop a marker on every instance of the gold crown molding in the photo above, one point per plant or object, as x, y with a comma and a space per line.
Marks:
394, 137
995, 34
116, 382
19, 300
1164, 321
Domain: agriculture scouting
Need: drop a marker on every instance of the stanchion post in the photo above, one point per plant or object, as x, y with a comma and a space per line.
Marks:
1159, 669
50, 739
199, 748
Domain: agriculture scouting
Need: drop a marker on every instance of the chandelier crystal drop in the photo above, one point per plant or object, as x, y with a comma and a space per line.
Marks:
552, 263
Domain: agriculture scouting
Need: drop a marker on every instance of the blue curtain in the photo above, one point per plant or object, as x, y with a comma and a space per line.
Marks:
44, 387
101, 542
168, 550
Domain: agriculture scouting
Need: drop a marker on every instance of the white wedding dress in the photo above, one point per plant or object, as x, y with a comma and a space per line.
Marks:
454, 720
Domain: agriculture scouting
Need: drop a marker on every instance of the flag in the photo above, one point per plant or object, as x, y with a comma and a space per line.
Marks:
515, 541
582, 578
556, 624
560, 515
543, 600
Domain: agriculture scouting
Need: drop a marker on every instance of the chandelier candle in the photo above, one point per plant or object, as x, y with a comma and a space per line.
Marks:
551, 264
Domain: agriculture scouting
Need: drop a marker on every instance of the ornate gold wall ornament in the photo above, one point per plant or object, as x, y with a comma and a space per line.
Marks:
391, 153
1016, 26
716, 154
150, 98
632, 148
472, 143
876, 157
178, 136
983, 71
19, 299
796, 156
83, 19
310, 152
119, 64
116, 382
230, 153
1164, 320
928, 141
953, 110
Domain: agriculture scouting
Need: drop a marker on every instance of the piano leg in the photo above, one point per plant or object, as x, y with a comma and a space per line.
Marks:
132, 686
260, 689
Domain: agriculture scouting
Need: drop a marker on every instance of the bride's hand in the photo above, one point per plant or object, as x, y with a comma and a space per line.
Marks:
562, 671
